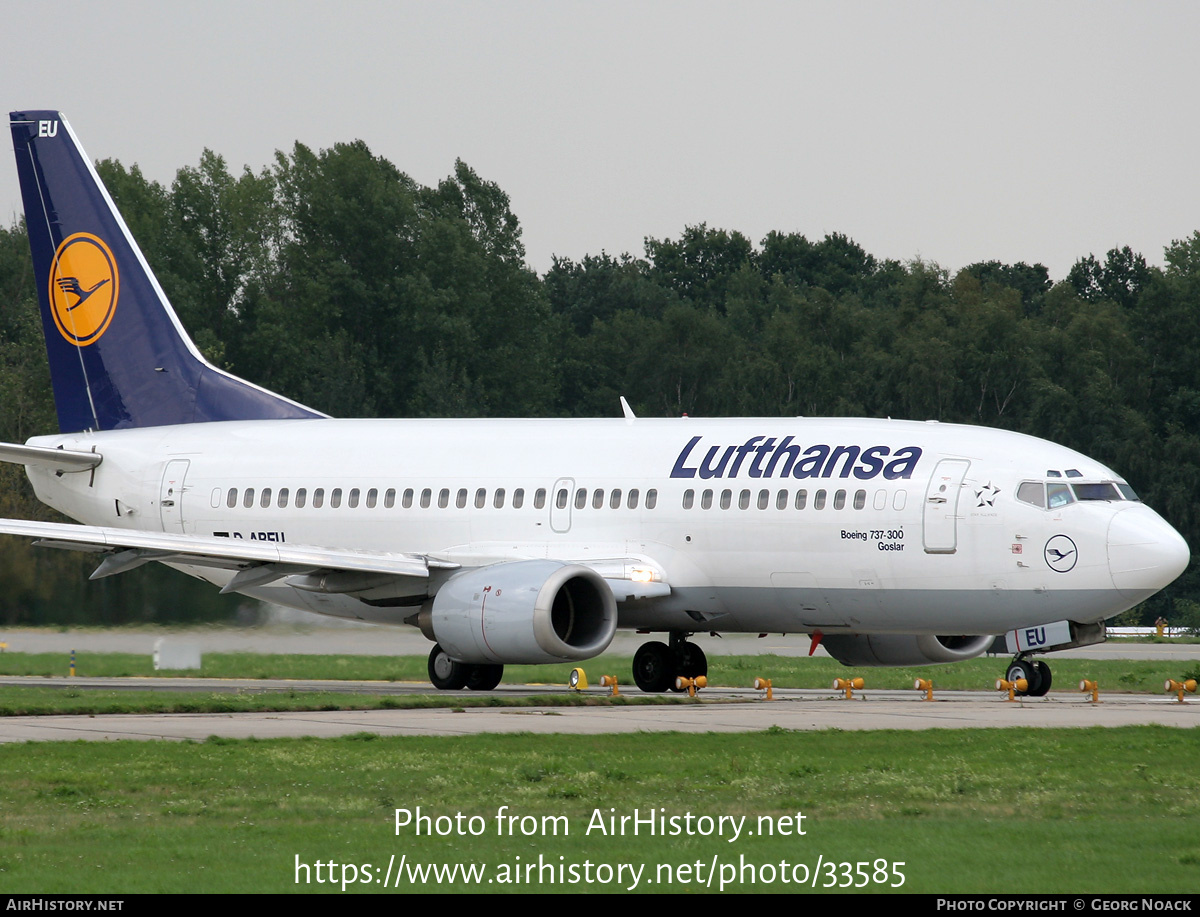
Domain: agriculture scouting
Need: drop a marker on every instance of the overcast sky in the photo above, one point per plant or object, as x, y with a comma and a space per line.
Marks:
950, 131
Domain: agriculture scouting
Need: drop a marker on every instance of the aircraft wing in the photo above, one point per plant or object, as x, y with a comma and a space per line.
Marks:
310, 567
255, 562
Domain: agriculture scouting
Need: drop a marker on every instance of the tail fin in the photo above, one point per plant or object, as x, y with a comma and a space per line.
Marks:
118, 355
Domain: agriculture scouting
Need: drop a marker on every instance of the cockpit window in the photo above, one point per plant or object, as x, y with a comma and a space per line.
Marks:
1058, 495
1127, 492
1054, 474
1106, 491
1074, 473
1032, 492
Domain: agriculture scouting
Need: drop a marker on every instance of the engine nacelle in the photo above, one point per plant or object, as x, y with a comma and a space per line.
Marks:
903, 649
528, 611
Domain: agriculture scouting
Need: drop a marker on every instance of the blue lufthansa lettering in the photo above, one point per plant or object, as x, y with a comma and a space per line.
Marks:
768, 457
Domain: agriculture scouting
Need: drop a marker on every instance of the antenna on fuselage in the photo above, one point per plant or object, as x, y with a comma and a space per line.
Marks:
630, 417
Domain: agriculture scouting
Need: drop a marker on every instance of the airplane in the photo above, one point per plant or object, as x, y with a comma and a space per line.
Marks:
887, 542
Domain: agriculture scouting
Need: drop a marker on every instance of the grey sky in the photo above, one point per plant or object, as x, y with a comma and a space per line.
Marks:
950, 131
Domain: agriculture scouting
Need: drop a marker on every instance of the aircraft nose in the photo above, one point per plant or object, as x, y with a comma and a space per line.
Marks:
1144, 552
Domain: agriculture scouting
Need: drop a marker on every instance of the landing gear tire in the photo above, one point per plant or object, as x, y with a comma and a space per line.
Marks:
1044, 679
693, 663
654, 667
445, 673
690, 662
1028, 670
484, 677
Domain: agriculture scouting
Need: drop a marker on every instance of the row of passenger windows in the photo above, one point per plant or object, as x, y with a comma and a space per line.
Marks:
498, 498
784, 498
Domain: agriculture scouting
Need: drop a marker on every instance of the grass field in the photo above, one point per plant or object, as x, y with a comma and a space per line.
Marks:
1090, 810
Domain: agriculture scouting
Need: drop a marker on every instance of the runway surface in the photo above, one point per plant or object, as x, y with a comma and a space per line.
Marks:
718, 710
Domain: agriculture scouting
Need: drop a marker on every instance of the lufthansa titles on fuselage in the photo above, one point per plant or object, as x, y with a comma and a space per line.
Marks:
770, 457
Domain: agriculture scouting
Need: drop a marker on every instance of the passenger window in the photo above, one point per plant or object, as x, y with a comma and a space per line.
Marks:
581, 498
265, 499
389, 498
248, 499
231, 500
352, 501
406, 500
598, 498
214, 499
498, 499
880, 499
1033, 493
632, 501
764, 499
689, 497
426, 496
283, 497
614, 501
519, 497
335, 497
301, 497
560, 499
706, 500
899, 500
744, 500
372, 498
481, 498
819, 500
839, 500
651, 498
801, 499
726, 499
443, 498
460, 500
781, 500
860, 499
319, 497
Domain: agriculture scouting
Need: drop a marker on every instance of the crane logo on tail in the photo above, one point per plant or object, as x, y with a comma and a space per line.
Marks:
84, 284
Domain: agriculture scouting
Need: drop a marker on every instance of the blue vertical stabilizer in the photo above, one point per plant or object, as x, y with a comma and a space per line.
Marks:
118, 354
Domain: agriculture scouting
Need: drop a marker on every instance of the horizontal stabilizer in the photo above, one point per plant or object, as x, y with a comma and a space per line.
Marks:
63, 460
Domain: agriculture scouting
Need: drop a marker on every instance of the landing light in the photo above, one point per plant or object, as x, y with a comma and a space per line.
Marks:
1178, 687
848, 685
641, 575
578, 679
1012, 686
690, 684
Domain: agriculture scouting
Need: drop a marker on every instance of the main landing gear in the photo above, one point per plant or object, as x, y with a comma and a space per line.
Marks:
656, 664
449, 675
1036, 674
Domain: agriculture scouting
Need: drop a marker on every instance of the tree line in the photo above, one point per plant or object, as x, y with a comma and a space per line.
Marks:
334, 278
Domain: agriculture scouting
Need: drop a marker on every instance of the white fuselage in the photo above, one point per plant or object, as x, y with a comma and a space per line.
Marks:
893, 527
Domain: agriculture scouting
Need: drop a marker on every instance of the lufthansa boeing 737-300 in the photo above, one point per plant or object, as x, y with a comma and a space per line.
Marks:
531, 541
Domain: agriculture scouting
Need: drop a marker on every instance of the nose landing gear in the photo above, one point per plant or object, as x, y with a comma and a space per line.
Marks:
1036, 674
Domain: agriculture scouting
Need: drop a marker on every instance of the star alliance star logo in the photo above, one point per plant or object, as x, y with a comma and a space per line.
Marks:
986, 495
